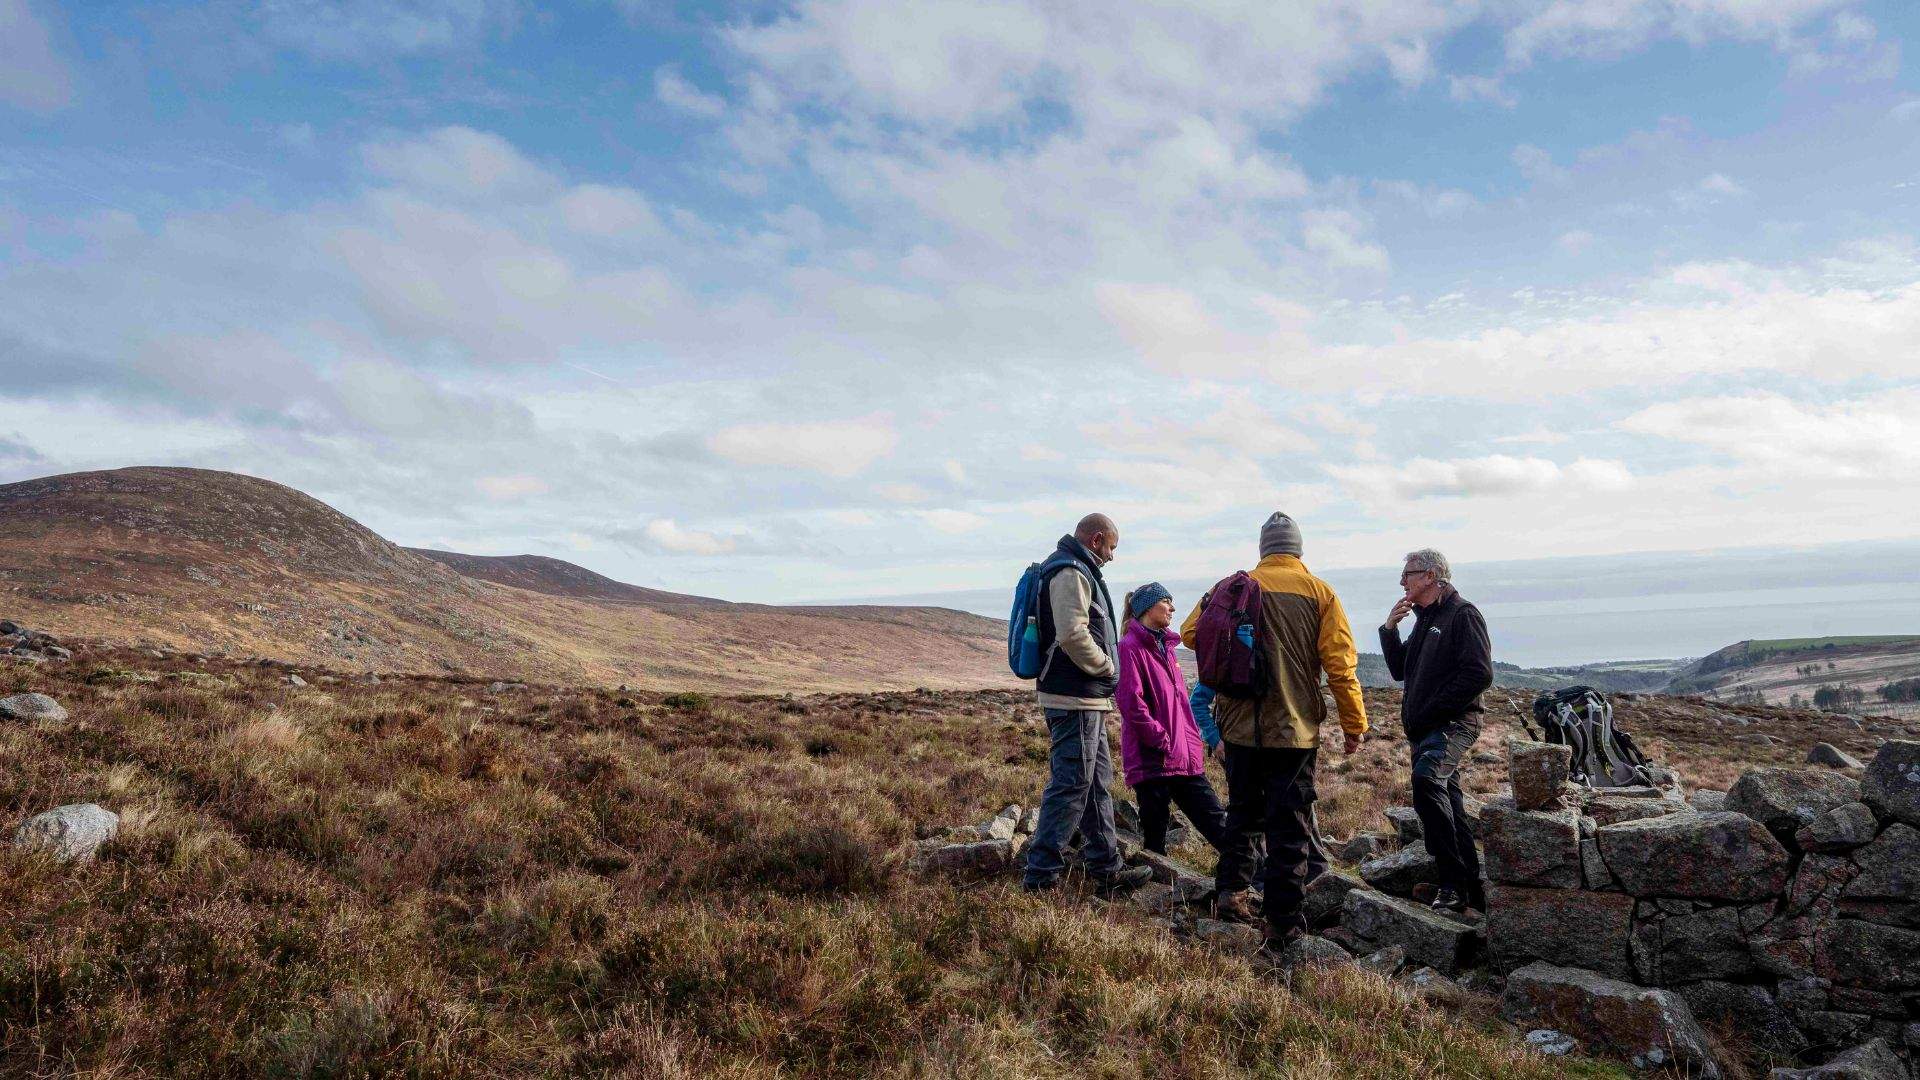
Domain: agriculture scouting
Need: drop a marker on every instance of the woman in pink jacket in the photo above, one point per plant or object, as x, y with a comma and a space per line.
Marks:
1160, 745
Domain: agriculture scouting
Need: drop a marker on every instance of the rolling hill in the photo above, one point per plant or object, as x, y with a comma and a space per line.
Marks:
222, 563
1805, 671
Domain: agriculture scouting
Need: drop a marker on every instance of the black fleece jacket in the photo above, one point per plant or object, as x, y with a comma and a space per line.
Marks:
1446, 663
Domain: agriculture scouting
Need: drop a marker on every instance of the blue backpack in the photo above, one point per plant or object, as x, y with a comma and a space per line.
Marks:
1023, 625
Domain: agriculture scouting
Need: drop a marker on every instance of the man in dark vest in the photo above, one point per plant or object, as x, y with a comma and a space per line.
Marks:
1446, 663
1079, 641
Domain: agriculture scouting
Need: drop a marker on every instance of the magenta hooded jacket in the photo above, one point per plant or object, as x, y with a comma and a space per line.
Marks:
1157, 734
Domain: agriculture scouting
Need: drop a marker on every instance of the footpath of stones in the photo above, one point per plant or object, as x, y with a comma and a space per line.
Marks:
1634, 923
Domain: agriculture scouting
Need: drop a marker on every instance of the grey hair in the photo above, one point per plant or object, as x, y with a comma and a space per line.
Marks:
1429, 559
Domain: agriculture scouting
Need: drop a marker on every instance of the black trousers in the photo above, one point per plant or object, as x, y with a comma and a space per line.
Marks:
1195, 797
1443, 814
1270, 793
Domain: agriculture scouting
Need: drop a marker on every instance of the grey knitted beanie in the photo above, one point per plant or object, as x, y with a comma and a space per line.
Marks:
1279, 536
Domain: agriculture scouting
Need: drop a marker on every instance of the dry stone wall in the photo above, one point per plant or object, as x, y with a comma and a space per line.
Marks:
1636, 920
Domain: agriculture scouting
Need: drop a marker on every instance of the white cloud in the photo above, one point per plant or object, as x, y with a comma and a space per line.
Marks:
1613, 27
600, 210
459, 161
1174, 331
508, 488
1336, 235
952, 521
1905, 111
1487, 88
667, 537
1575, 241
1438, 202
1877, 436
903, 492
366, 30
840, 449
33, 77
1537, 165
675, 92
1494, 476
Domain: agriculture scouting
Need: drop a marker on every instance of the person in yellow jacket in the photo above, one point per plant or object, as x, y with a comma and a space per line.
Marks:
1272, 742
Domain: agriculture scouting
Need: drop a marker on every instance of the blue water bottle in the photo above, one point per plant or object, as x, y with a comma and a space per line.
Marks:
1245, 633
1030, 647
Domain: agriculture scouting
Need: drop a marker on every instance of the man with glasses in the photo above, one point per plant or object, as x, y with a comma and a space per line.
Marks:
1446, 663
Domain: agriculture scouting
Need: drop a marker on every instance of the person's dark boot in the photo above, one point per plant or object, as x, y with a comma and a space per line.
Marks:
1125, 879
1240, 907
1448, 901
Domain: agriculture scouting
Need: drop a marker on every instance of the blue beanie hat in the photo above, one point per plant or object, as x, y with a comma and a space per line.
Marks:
1146, 596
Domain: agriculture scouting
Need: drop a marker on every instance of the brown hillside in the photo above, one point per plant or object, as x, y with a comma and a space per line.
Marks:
223, 563
554, 577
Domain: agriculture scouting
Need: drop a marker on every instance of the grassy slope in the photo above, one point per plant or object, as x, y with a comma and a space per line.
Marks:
422, 878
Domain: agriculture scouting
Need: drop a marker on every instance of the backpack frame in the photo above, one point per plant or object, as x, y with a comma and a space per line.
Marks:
1581, 718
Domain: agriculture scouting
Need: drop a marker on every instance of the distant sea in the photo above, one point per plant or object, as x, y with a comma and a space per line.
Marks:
1552, 612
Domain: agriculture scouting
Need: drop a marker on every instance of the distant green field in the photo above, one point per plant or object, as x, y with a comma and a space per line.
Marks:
1759, 649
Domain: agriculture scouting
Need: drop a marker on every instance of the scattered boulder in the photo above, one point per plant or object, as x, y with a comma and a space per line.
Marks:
1576, 927
1428, 981
1386, 962
1876, 1060
1004, 826
1787, 800
72, 833
1718, 856
1531, 847
1406, 824
1399, 872
1428, 937
1366, 846
1310, 950
1892, 782
1842, 828
1325, 898
1155, 899
1650, 1028
984, 857
32, 707
1539, 772
1550, 1042
295, 680
1708, 801
1832, 757
1229, 936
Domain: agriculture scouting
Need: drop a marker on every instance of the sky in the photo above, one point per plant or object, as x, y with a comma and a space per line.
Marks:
797, 301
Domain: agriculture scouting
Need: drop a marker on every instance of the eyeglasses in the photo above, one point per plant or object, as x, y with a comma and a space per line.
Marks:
1405, 574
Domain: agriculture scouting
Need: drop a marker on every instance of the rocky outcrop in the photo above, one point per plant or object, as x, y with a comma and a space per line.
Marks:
1875, 1060
1399, 872
1651, 1028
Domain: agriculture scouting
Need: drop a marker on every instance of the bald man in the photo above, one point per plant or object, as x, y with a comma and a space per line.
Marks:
1079, 640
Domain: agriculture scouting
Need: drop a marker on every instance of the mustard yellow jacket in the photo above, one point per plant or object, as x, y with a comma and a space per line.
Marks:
1306, 634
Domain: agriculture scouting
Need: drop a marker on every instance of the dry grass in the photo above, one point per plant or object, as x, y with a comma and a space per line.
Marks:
421, 878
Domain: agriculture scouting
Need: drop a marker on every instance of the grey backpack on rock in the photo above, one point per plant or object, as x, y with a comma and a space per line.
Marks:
1603, 756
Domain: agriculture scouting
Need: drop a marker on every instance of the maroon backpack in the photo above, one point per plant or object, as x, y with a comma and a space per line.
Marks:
1230, 638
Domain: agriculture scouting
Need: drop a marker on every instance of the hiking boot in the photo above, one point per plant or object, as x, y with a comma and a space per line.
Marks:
1449, 901
1125, 879
1238, 907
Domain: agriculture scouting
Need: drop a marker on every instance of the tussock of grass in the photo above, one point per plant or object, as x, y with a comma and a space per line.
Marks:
416, 879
